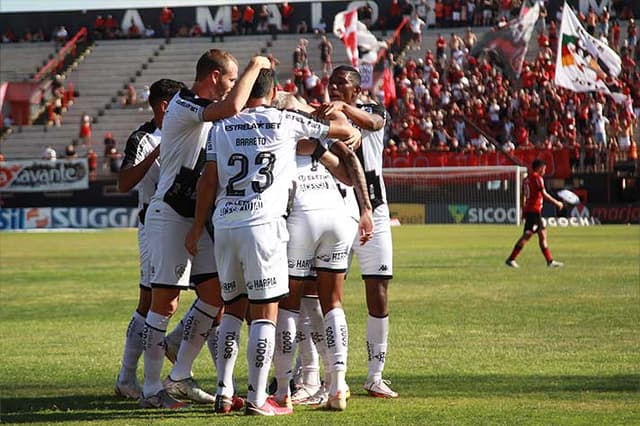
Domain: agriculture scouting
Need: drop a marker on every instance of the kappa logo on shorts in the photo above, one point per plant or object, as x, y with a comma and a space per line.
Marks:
180, 270
383, 268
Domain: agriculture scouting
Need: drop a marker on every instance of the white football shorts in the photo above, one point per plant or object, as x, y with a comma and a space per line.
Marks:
319, 239
376, 256
171, 264
252, 262
145, 258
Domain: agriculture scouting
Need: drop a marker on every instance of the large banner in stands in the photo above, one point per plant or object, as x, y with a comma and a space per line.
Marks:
68, 217
44, 175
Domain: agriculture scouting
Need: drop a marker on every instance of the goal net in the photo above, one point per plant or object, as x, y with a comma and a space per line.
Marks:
483, 194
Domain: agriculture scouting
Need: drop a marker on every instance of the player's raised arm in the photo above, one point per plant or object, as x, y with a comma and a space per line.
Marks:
233, 103
205, 196
368, 121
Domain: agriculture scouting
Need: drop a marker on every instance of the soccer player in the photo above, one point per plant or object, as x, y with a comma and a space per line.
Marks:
250, 166
140, 169
375, 257
534, 195
169, 217
321, 233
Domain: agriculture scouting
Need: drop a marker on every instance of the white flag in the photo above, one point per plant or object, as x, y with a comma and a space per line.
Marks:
583, 62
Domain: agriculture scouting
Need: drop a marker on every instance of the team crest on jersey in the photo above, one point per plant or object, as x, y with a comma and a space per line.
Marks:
180, 270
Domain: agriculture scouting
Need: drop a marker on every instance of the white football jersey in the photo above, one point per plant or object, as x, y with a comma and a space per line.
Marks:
255, 154
370, 155
184, 134
314, 186
139, 145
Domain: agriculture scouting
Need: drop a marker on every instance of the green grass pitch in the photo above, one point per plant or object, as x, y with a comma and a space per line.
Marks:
471, 341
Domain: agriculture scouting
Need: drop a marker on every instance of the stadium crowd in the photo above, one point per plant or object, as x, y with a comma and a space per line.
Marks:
436, 96
438, 93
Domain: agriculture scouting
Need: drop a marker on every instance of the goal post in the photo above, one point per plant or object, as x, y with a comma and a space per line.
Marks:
480, 194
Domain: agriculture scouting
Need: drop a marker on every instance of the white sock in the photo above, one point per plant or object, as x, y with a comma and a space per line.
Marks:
227, 352
174, 337
318, 333
132, 349
155, 327
337, 347
307, 352
197, 325
212, 343
377, 334
284, 350
259, 354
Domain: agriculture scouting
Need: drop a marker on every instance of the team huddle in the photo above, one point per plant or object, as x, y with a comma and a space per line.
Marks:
256, 201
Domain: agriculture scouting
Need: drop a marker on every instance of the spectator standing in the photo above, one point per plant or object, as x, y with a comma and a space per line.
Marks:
286, 12
84, 135
166, 19
263, 18
247, 19
416, 24
600, 123
326, 51
130, 98
92, 158
109, 144
114, 160
236, 17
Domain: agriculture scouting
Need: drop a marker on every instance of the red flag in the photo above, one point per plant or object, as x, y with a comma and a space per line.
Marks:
389, 87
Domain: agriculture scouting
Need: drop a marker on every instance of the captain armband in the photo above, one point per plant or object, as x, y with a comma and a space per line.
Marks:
319, 151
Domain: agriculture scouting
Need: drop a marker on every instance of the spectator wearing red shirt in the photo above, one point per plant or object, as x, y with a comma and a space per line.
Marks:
534, 194
247, 19
236, 16
99, 27
441, 44
286, 12
166, 19
614, 35
111, 27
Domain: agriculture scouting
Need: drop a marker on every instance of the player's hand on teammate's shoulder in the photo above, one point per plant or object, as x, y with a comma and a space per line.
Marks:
326, 110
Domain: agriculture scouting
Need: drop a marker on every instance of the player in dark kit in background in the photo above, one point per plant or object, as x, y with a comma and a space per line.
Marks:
534, 195
140, 169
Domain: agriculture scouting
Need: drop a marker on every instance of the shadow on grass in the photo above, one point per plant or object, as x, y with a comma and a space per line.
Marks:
505, 385
103, 408
88, 408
